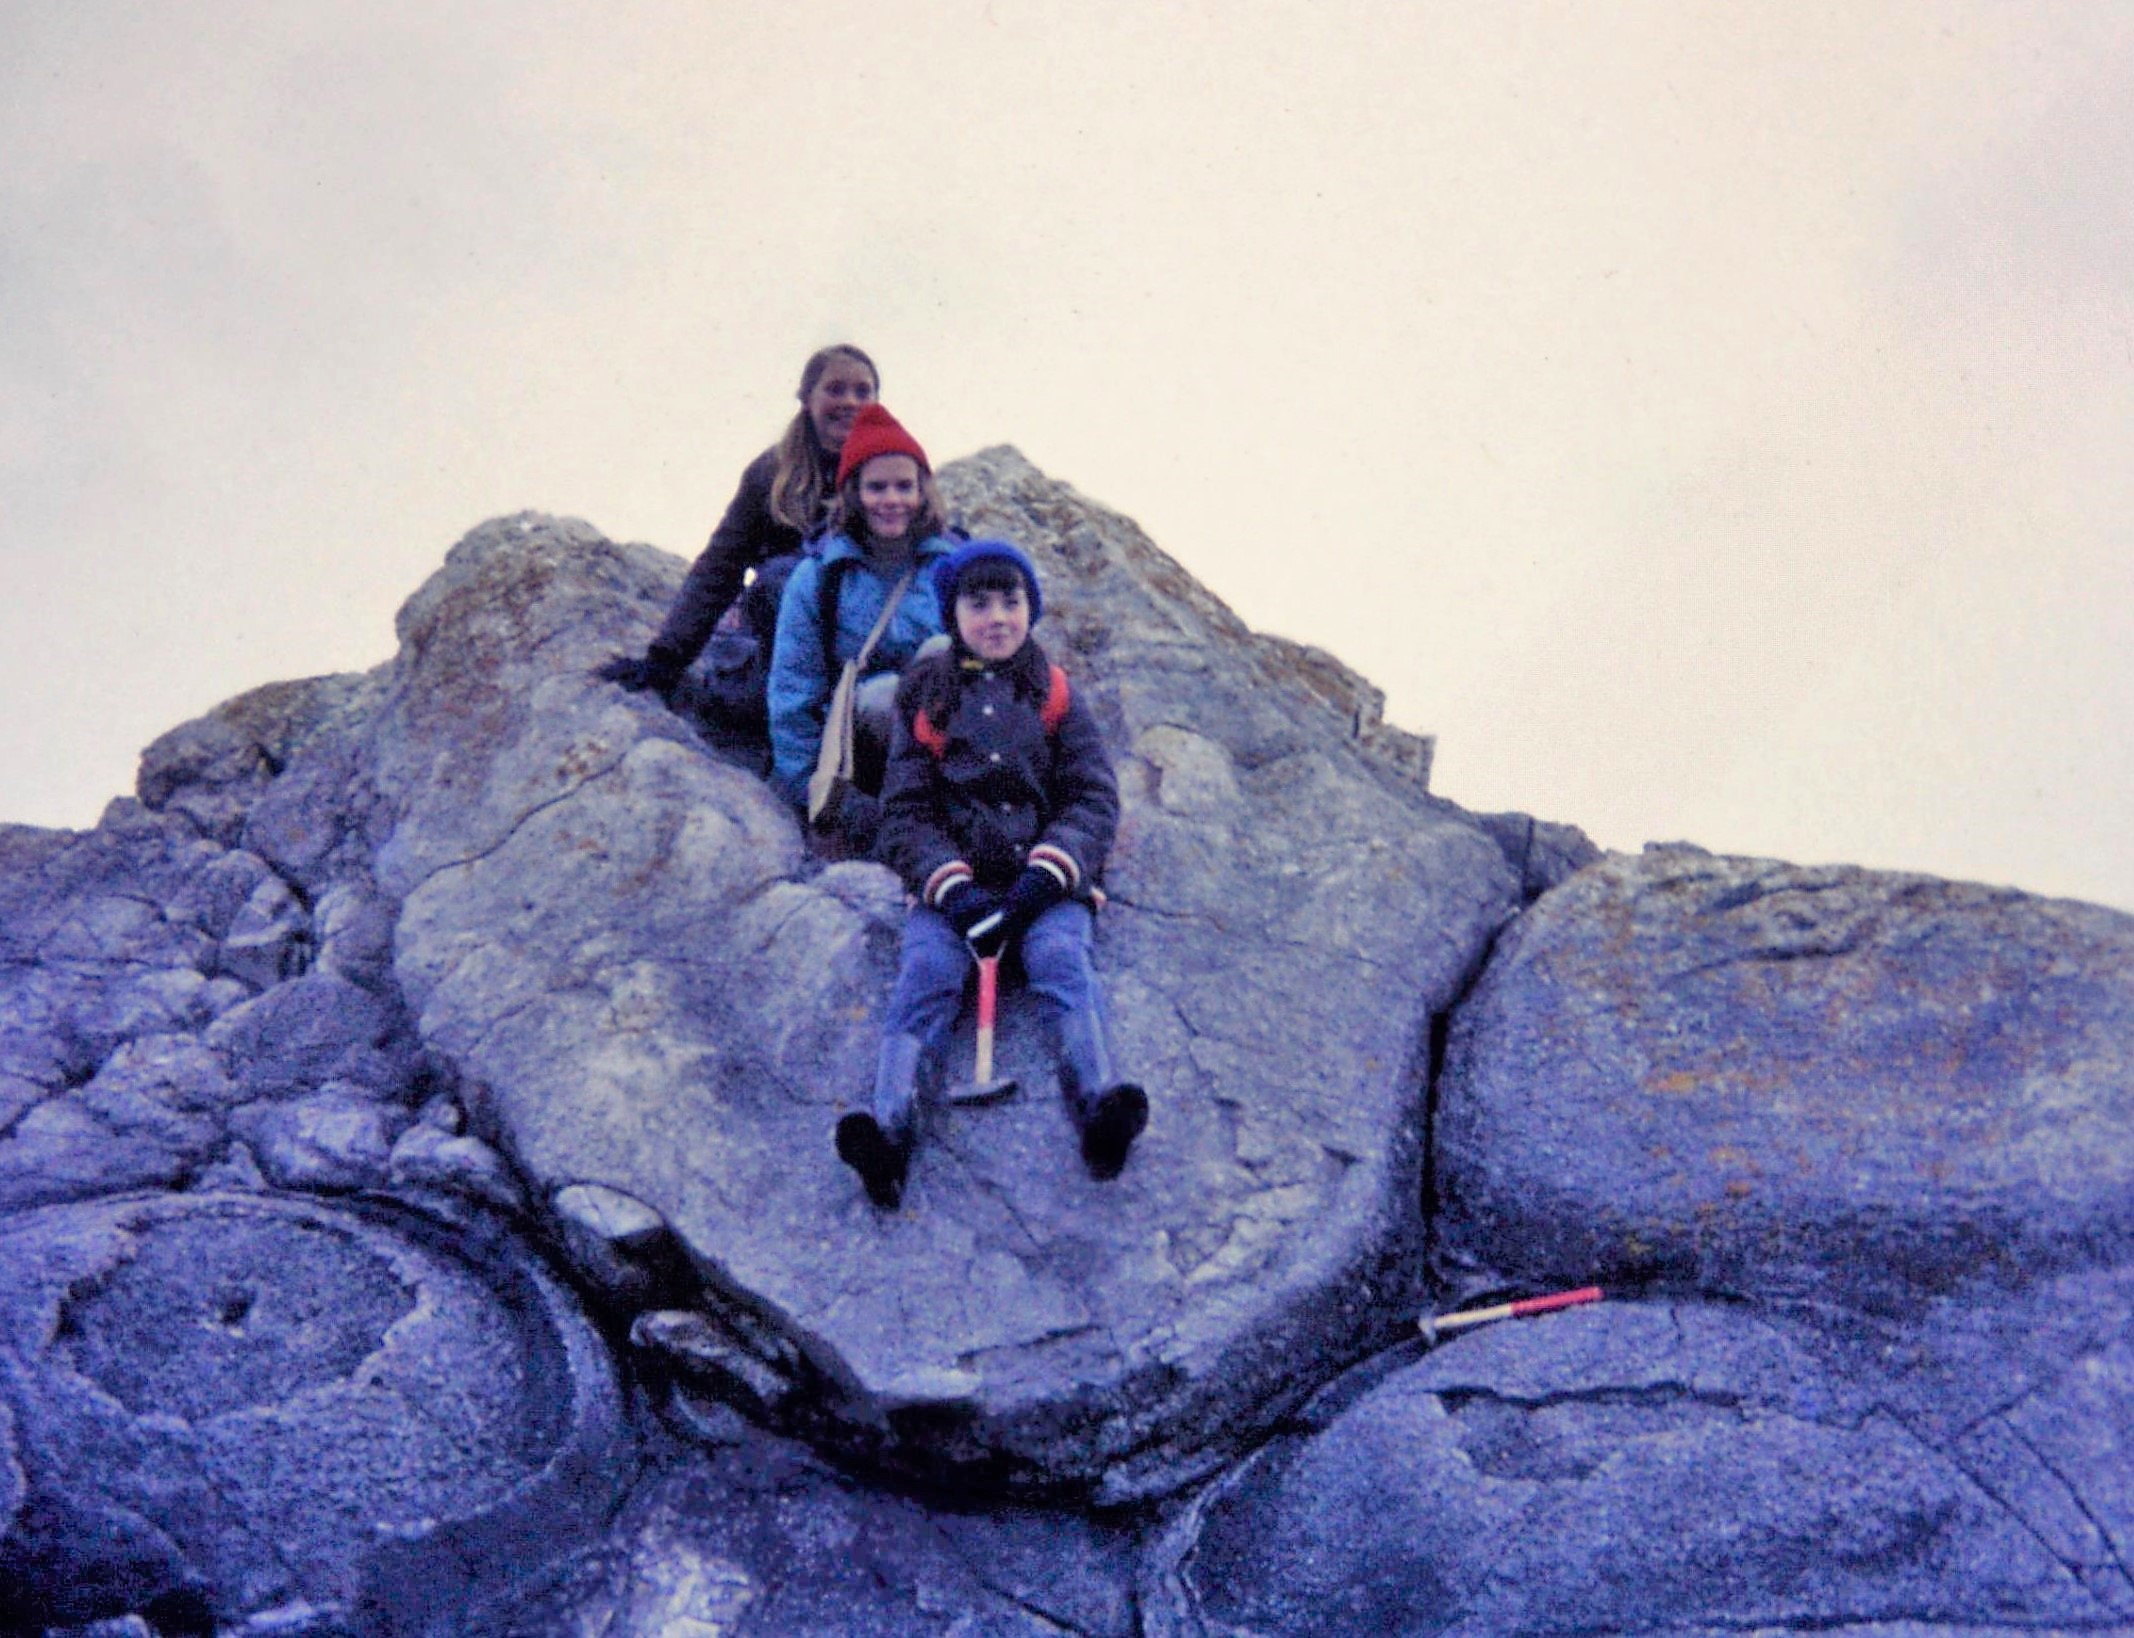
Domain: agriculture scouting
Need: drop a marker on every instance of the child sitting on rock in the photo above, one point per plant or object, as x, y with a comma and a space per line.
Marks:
998, 809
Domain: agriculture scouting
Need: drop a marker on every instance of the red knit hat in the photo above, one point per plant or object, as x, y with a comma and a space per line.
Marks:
876, 432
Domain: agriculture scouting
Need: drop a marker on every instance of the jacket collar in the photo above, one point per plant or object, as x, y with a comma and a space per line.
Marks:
841, 545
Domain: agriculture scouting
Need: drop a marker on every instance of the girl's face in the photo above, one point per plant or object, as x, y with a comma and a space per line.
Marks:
993, 621
840, 392
889, 495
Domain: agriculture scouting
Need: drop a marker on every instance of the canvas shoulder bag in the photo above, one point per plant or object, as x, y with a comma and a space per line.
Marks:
832, 777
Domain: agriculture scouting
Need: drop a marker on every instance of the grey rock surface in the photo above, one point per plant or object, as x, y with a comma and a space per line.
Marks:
624, 949
755, 1537
480, 934
227, 1406
1679, 1468
1831, 1085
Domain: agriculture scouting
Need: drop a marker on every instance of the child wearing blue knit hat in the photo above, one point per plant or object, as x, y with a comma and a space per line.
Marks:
998, 809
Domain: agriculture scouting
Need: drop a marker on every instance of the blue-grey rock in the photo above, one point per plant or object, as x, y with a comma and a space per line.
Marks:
257, 1404
250, 762
427, 1157
647, 984
236, 1168
1544, 853
318, 1028
269, 939
338, 1138
354, 928
752, 1537
1633, 1468
613, 1239
64, 1147
1740, 1076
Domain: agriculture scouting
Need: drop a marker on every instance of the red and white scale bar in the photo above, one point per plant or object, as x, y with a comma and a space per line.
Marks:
1510, 1310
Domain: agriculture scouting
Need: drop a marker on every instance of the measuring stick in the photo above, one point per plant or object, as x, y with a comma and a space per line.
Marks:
1431, 1325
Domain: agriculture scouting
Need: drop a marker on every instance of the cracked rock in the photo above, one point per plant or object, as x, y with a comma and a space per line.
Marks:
751, 1535
1825, 1084
256, 1404
624, 944
1591, 1471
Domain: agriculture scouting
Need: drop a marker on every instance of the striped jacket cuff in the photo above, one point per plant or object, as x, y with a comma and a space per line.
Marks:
951, 875
1059, 862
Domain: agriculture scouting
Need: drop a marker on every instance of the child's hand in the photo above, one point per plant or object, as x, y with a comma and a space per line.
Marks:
966, 905
1035, 891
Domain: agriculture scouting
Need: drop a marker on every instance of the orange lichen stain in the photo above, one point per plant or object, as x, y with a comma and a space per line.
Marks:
1727, 1154
1681, 1081
1740, 1188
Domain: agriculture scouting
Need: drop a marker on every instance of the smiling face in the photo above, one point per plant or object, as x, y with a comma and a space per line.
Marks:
889, 495
993, 620
844, 386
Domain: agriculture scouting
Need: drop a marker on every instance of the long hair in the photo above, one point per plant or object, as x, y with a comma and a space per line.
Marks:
849, 518
803, 484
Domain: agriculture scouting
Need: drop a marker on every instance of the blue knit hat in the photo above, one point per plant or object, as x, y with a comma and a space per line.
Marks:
949, 570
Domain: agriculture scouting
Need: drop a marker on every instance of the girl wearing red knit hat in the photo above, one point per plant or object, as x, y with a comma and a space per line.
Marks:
887, 529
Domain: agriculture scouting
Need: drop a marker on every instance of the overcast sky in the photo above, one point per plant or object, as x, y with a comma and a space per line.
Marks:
1712, 422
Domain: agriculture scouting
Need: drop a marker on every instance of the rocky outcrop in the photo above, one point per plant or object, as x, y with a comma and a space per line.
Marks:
392, 993
618, 941
231, 1404
741, 1532
1829, 1086
1685, 1467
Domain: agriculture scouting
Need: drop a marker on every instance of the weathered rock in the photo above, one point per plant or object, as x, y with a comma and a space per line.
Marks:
335, 1139
1544, 854
426, 1157
358, 930
753, 1537
269, 939
624, 948
233, 1405
318, 1028
1628, 1468
1744, 1077
614, 1239
275, 761
355, 935
151, 1116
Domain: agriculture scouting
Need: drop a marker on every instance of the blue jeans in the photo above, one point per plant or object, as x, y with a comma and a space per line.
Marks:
935, 965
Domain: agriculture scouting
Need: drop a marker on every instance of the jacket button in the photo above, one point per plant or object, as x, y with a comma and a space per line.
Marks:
993, 756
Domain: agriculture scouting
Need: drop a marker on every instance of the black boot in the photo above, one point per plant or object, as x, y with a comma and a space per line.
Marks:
878, 1145
1110, 1113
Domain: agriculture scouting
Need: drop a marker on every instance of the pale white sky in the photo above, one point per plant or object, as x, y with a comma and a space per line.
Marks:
1712, 421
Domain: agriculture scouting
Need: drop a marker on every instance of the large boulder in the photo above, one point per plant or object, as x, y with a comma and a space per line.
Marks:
1634, 1468
229, 1407
1827, 1086
647, 984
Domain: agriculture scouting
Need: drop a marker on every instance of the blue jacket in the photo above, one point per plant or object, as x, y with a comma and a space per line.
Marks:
802, 676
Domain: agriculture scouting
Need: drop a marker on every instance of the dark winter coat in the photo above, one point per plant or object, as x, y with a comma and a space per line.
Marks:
1002, 792
747, 536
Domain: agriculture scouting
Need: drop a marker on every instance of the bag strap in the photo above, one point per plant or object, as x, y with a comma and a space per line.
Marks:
829, 584
881, 621
1058, 696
